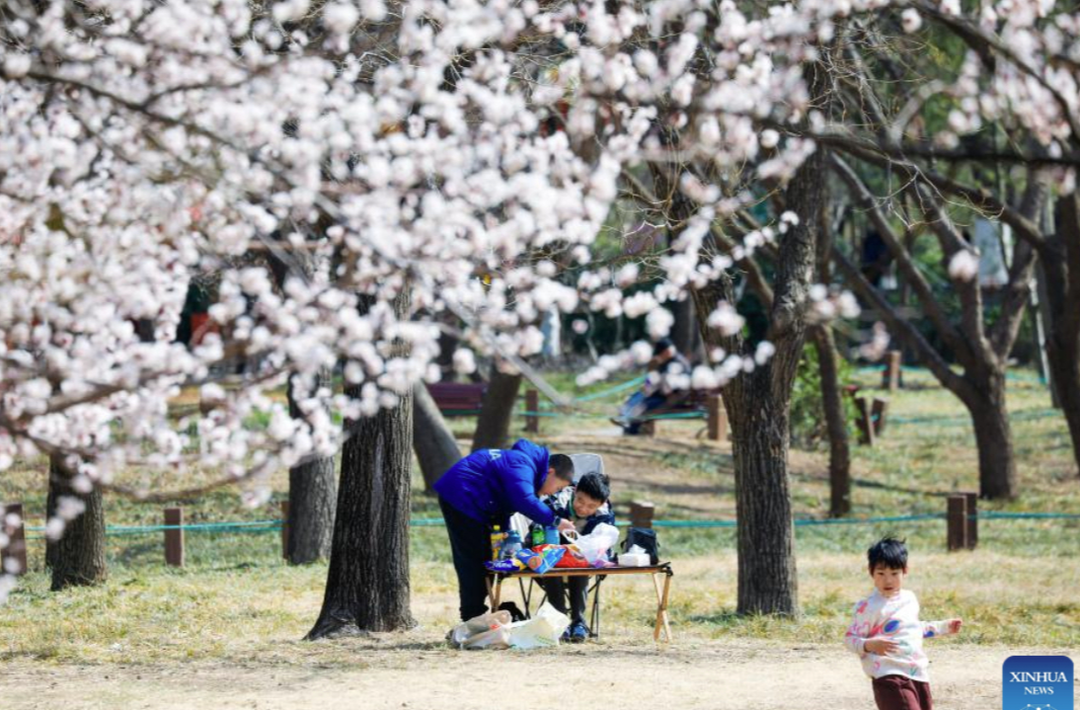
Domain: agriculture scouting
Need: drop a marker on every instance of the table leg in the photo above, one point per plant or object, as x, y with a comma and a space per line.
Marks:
494, 591
661, 609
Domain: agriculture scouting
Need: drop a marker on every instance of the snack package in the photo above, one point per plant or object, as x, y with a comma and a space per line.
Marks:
573, 558
545, 557
511, 565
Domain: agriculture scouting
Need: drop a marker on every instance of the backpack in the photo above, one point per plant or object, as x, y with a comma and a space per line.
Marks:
645, 538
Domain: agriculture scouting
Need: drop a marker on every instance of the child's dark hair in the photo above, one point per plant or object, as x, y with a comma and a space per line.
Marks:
887, 552
563, 465
595, 485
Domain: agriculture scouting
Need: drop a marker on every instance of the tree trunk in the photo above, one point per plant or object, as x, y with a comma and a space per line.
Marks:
766, 535
78, 558
433, 442
684, 332
832, 398
367, 584
985, 400
1061, 266
493, 424
312, 494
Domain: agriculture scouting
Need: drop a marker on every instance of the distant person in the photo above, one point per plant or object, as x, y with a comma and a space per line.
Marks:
657, 392
888, 635
586, 505
483, 490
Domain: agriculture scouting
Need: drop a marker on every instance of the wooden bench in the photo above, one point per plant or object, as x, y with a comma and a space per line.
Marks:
704, 404
458, 399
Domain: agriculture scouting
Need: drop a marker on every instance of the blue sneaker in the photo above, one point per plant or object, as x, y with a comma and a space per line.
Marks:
579, 632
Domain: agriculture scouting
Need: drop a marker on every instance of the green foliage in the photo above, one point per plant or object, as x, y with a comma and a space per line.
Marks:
807, 413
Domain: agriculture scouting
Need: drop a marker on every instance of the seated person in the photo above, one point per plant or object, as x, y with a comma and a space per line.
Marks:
586, 505
657, 392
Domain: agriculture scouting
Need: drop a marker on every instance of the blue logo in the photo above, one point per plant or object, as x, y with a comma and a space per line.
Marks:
1037, 683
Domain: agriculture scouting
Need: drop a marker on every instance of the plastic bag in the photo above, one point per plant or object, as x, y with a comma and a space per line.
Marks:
573, 559
476, 626
544, 629
496, 639
595, 545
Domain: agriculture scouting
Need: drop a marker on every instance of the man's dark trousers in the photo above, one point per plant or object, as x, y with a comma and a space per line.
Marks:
470, 543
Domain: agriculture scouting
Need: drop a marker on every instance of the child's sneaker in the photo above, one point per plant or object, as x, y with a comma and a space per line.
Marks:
579, 632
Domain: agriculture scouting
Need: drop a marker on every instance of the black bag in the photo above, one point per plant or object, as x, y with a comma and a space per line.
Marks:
645, 538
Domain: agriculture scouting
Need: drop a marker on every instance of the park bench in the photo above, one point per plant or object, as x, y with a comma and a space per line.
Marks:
458, 399
692, 404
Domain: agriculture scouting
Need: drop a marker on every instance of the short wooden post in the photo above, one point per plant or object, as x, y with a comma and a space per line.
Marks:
972, 519
865, 420
641, 513
957, 523
878, 410
13, 556
174, 537
285, 529
891, 375
718, 423
532, 408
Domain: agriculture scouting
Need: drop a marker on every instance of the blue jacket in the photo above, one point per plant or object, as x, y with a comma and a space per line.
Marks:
490, 485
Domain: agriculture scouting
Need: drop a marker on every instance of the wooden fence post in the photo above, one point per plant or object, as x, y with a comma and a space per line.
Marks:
891, 375
13, 556
641, 514
285, 529
718, 423
174, 539
532, 408
957, 523
865, 421
972, 519
878, 411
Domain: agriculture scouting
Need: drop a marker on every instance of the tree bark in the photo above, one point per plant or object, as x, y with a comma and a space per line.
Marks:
433, 442
985, 400
1061, 266
493, 424
832, 399
684, 332
367, 585
78, 558
312, 496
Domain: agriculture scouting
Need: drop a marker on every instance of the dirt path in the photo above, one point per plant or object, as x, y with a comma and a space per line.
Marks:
715, 675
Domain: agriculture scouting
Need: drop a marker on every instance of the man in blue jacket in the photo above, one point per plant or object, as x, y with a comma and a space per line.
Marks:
484, 489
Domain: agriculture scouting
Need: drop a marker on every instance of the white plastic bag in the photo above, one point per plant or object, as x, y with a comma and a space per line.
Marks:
542, 630
463, 633
599, 541
497, 639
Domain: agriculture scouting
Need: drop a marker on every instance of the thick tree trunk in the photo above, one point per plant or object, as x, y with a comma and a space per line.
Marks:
367, 584
493, 424
985, 400
433, 442
766, 536
78, 558
312, 496
832, 398
1061, 266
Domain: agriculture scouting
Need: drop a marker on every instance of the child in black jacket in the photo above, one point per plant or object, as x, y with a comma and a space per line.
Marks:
586, 505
